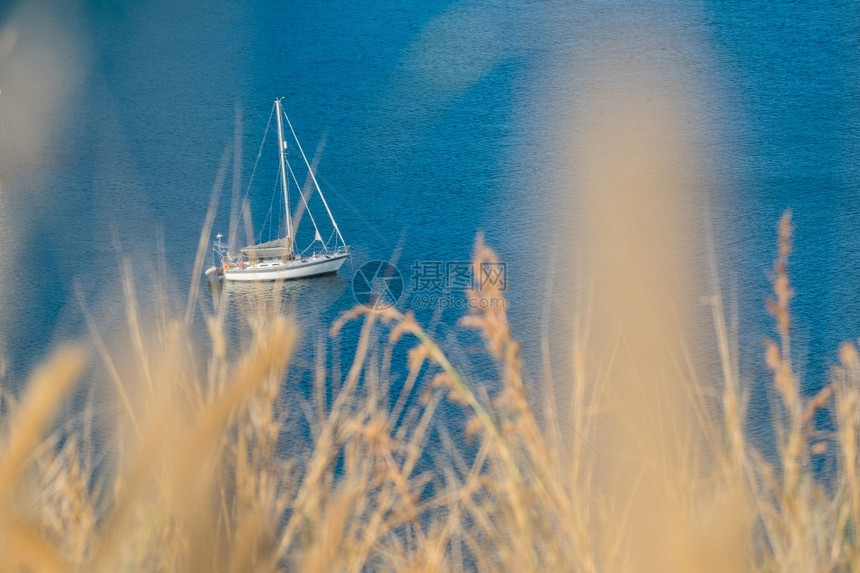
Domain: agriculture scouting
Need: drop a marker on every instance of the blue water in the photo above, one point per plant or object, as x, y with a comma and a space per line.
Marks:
440, 119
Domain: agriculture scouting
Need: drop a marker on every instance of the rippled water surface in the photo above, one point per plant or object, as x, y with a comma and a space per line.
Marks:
440, 120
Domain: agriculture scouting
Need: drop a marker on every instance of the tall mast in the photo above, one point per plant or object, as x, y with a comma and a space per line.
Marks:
281, 149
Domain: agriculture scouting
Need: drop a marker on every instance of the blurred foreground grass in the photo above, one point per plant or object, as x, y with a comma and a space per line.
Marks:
194, 469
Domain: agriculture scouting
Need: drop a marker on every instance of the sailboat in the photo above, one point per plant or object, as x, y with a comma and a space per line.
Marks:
279, 259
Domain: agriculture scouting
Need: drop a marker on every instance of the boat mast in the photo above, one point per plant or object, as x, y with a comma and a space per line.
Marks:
281, 149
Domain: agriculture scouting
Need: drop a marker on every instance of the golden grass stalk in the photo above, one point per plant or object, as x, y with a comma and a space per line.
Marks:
215, 471
45, 391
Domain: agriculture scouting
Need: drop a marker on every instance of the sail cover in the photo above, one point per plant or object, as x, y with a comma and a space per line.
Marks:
268, 250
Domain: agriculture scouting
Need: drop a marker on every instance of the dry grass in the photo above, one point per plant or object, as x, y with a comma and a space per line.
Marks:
192, 469
190, 452
154, 450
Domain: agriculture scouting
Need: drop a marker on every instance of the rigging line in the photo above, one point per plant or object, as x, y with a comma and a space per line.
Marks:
307, 207
308, 248
307, 189
256, 162
314, 178
267, 224
331, 188
268, 218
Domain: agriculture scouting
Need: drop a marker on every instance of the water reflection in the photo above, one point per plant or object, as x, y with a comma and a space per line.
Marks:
311, 301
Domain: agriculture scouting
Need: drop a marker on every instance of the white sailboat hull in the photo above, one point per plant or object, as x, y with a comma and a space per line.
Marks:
275, 270
275, 260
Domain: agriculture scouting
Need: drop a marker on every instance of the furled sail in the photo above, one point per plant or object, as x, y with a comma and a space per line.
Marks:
270, 249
